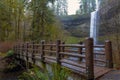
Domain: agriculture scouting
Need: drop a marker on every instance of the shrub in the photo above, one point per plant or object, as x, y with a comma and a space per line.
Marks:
10, 53
58, 73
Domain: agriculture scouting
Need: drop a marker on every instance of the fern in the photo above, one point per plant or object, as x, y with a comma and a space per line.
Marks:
58, 73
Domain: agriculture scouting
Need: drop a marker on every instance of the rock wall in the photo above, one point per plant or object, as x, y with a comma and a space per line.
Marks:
77, 25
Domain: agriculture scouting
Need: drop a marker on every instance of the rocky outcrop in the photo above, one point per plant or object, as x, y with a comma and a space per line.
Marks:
76, 25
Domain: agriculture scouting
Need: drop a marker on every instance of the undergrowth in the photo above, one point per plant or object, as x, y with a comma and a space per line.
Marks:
58, 73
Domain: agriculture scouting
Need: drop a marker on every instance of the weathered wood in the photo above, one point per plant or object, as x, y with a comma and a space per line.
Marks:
89, 58
80, 50
72, 45
99, 46
58, 57
51, 48
73, 63
71, 51
22, 50
60, 50
26, 51
26, 46
42, 50
100, 60
108, 53
33, 53
49, 57
72, 54
49, 44
49, 51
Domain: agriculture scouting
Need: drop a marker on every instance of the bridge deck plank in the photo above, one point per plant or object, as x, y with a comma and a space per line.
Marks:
100, 71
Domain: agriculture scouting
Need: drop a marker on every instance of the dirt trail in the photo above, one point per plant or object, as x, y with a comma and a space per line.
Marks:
6, 76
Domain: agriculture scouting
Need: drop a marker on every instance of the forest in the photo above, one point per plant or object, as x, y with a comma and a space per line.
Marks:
25, 20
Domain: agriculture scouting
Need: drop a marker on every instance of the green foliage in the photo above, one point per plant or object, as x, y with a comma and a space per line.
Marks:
11, 65
58, 73
11, 15
10, 53
27, 20
34, 74
71, 39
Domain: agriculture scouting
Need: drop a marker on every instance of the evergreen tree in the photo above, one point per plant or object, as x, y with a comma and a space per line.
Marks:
86, 6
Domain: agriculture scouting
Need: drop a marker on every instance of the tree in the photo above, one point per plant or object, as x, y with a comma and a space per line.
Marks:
27, 20
43, 19
86, 6
60, 7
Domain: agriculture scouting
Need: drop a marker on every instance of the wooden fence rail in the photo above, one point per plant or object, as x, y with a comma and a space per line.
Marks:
80, 58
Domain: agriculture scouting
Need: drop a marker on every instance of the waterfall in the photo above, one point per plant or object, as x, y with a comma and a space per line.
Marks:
94, 23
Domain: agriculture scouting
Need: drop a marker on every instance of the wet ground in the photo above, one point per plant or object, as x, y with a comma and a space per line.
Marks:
7, 75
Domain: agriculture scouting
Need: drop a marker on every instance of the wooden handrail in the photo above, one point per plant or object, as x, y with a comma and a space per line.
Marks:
49, 44
73, 63
49, 51
61, 53
73, 55
72, 45
99, 46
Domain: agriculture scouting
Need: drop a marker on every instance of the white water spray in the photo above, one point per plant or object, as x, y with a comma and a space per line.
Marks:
94, 23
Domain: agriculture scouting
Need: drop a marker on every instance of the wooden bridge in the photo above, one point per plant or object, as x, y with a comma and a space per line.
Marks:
89, 60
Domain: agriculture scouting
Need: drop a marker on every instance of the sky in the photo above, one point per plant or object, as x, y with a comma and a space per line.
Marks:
73, 5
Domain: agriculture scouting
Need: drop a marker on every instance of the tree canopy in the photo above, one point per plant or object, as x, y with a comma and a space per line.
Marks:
28, 20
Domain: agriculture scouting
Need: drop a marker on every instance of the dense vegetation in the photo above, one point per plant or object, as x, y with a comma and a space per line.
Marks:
30, 20
58, 73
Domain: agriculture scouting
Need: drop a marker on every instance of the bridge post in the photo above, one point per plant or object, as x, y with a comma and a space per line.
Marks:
14, 49
43, 54
108, 53
63, 49
33, 52
80, 50
57, 52
26, 51
51, 48
22, 50
19, 52
89, 58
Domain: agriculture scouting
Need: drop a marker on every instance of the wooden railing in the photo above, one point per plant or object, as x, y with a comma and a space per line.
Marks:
80, 58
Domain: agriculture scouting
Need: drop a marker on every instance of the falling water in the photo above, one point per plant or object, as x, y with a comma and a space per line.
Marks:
94, 23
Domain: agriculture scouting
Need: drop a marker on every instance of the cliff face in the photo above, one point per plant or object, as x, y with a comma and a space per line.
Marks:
109, 7
110, 17
76, 25
110, 26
